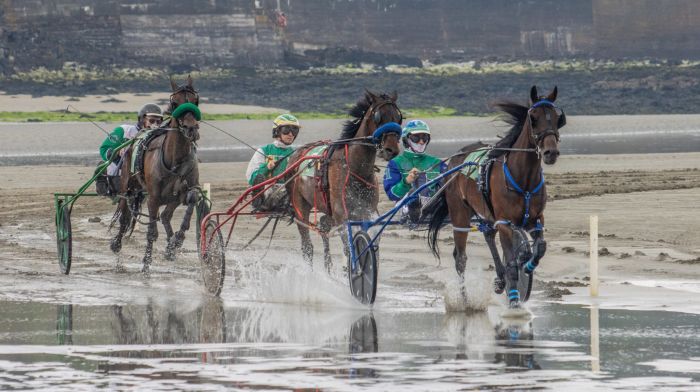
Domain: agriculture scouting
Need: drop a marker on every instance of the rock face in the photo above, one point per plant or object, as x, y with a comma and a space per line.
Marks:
192, 34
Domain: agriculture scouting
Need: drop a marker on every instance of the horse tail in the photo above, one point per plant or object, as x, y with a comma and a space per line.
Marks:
436, 222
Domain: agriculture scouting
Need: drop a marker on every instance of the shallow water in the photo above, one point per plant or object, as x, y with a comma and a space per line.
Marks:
212, 345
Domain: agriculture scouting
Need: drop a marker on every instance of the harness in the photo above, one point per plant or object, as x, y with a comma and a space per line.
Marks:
526, 194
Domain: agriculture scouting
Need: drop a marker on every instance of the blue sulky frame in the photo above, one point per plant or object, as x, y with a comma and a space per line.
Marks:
387, 218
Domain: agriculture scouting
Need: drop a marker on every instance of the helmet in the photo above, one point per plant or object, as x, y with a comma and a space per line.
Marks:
150, 109
414, 126
284, 119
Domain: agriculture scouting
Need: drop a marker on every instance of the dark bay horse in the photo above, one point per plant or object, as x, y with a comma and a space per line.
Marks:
352, 185
517, 193
170, 176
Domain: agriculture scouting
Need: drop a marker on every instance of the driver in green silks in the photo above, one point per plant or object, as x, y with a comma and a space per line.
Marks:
271, 160
413, 168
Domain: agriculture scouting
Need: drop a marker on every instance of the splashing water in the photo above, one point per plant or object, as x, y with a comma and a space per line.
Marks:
288, 279
474, 293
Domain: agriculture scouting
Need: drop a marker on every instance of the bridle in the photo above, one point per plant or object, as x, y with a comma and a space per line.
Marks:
551, 130
187, 90
376, 116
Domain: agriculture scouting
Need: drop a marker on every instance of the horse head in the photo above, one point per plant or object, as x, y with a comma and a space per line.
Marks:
383, 110
185, 119
182, 94
545, 119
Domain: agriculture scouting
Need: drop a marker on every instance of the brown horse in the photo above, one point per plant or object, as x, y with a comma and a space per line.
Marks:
170, 177
352, 185
516, 195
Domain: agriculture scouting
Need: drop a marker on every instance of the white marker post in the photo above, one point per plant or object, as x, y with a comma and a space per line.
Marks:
206, 189
594, 256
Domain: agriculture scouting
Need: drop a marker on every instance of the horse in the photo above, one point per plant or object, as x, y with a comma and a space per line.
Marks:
516, 193
170, 176
352, 185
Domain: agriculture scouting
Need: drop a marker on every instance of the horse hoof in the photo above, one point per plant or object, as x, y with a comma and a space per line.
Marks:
115, 246
499, 285
146, 270
169, 254
328, 267
514, 304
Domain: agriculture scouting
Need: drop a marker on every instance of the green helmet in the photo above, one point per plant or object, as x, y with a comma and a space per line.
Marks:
414, 126
282, 120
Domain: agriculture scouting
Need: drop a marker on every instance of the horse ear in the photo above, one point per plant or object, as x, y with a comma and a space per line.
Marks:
173, 85
553, 95
189, 80
370, 96
394, 96
533, 95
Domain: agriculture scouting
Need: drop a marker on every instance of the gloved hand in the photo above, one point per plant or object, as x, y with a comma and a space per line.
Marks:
270, 162
411, 176
109, 154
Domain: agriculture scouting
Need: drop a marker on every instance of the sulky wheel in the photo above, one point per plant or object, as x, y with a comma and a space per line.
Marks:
64, 237
213, 260
523, 252
363, 278
202, 210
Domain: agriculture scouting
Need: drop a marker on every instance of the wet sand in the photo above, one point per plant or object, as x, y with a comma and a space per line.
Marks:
644, 202
281, 325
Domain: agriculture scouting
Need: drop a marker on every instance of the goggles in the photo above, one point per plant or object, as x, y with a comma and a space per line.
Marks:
417, 137
287, 129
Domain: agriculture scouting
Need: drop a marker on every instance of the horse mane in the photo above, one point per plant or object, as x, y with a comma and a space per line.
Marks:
511, 113
358, 111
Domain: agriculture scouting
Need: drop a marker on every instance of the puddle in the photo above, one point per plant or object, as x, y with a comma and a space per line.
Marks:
210, 345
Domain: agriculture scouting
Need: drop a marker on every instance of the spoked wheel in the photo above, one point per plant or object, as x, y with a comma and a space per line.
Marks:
64, 237
522, 247
363, 278
203, 209
213, 260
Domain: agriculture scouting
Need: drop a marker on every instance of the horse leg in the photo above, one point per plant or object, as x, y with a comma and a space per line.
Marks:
325, 228
124, 218
539, 248
499, 283
178, 238
505, 233
307, 248
152, 234
165, 216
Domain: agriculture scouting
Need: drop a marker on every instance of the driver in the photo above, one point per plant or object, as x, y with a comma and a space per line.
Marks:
413, 168
271, 160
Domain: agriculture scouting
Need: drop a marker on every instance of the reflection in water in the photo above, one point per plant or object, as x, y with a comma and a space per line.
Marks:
481, 337
516, 335
363, 339
189, 345
64, 324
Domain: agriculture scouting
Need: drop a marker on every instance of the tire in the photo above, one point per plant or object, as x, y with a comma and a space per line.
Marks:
521, 246
363, 280
203, 209
64, 238
213, 262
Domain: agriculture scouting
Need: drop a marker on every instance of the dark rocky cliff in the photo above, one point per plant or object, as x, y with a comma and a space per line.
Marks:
220, 33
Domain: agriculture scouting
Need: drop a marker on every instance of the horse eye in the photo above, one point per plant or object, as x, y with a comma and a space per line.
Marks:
533, 120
